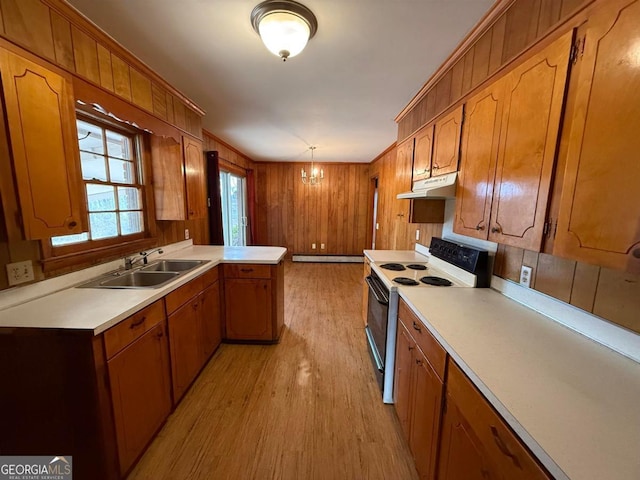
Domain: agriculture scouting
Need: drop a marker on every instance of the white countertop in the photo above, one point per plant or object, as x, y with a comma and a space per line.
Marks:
98, 309
574, 402
395, 256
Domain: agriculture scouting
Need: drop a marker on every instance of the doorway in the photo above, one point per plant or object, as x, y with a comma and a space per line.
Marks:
373, 210
233, 193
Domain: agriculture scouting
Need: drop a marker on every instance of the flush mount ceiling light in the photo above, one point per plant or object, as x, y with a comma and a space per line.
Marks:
285, 26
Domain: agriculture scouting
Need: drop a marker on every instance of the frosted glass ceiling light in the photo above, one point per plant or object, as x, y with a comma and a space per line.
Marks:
285, 26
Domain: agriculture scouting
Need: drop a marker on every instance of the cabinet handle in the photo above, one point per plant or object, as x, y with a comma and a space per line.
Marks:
138, 323
195, 305
418, 361
480, 227
503, 446
411, 348
160, 334
435, 167
495, 229
636, 253
72, 224
246, 270
191, 213
416, 327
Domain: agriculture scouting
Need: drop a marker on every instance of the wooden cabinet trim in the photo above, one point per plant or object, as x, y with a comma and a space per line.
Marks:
183, 294
247, 270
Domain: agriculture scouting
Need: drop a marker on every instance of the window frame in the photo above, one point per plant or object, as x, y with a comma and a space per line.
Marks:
96, 251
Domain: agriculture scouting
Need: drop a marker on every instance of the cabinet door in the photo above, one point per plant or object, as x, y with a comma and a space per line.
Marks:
168, 178
461, 455
211, 334
446, 143
186, 353
480, 141
195, 178
141, 393
402, 378
422, 153
600, 207
425, 418
533, 101
248, 309
42, 127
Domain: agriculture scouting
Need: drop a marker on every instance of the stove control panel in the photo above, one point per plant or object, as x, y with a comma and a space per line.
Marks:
468, 258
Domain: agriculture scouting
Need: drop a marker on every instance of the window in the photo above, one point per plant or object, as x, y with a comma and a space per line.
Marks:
234, 216
112, 184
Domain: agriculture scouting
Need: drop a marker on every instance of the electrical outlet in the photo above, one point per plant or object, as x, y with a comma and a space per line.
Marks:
417, 234
20, 272
525, 276
377, 226
186, 234
313, 246
322, 246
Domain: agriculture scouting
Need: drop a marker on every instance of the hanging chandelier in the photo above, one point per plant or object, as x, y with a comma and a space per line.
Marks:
315, 177
285, 26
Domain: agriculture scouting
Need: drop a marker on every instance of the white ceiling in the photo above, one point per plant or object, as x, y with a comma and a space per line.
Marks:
366, 62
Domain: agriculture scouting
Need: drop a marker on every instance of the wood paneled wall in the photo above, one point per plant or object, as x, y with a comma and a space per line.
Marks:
607, 293
294, 215
56, 32
226, 153
490, 48
394, 231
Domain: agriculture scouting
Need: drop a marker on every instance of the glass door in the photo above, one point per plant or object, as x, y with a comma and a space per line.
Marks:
233, 193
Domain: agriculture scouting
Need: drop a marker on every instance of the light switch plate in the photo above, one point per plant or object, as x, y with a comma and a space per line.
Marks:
417, 234
525, 276
20, 272
186, 234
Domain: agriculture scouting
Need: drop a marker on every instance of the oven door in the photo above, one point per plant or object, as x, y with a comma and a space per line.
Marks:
377, 320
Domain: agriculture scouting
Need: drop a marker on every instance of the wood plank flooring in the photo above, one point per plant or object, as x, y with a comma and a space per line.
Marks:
307, 408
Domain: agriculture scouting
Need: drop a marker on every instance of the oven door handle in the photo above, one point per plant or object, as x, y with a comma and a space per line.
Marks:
373, 288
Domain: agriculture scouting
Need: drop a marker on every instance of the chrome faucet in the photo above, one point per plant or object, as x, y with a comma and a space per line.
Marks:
129, 262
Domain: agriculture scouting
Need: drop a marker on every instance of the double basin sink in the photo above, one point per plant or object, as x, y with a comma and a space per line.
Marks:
154, 275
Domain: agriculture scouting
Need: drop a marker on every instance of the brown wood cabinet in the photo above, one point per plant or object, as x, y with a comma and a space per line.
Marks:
179, 182
529, 101
254, 302
194, 328
446, 143
141, 391
40, 110
599, 207
476, 443
422, 150
419, 388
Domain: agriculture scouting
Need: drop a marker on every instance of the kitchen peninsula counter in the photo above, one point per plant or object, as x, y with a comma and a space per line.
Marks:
98, 309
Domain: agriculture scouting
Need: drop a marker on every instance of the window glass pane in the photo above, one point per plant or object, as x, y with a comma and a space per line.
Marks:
121, 172
69, 239
93, 167
118, 145
100, 197
131, 222
90, 137
103, 225
129, 198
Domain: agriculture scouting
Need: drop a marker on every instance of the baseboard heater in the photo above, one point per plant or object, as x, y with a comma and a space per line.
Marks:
328, 258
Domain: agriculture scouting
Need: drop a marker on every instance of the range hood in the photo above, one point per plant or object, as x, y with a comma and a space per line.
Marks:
443, 186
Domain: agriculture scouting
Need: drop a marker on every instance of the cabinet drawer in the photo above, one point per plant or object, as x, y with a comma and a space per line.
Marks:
431, 348
183, 294
244, 270
121, 335
210, 277
504, 449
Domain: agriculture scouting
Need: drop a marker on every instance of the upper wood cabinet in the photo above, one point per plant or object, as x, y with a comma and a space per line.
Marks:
600, 202
422, 149
178, 178
446, 143
41, 120
529, 101
195, 178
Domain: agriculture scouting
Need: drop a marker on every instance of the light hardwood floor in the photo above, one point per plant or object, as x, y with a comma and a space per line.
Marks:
307, 408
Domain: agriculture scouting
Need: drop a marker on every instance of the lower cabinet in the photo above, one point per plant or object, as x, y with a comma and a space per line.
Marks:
419, 389
476, 443
140, 391
194, 328
254, 302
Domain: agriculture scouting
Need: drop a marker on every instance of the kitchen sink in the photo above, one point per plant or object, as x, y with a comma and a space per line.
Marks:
154, 275
172, 265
